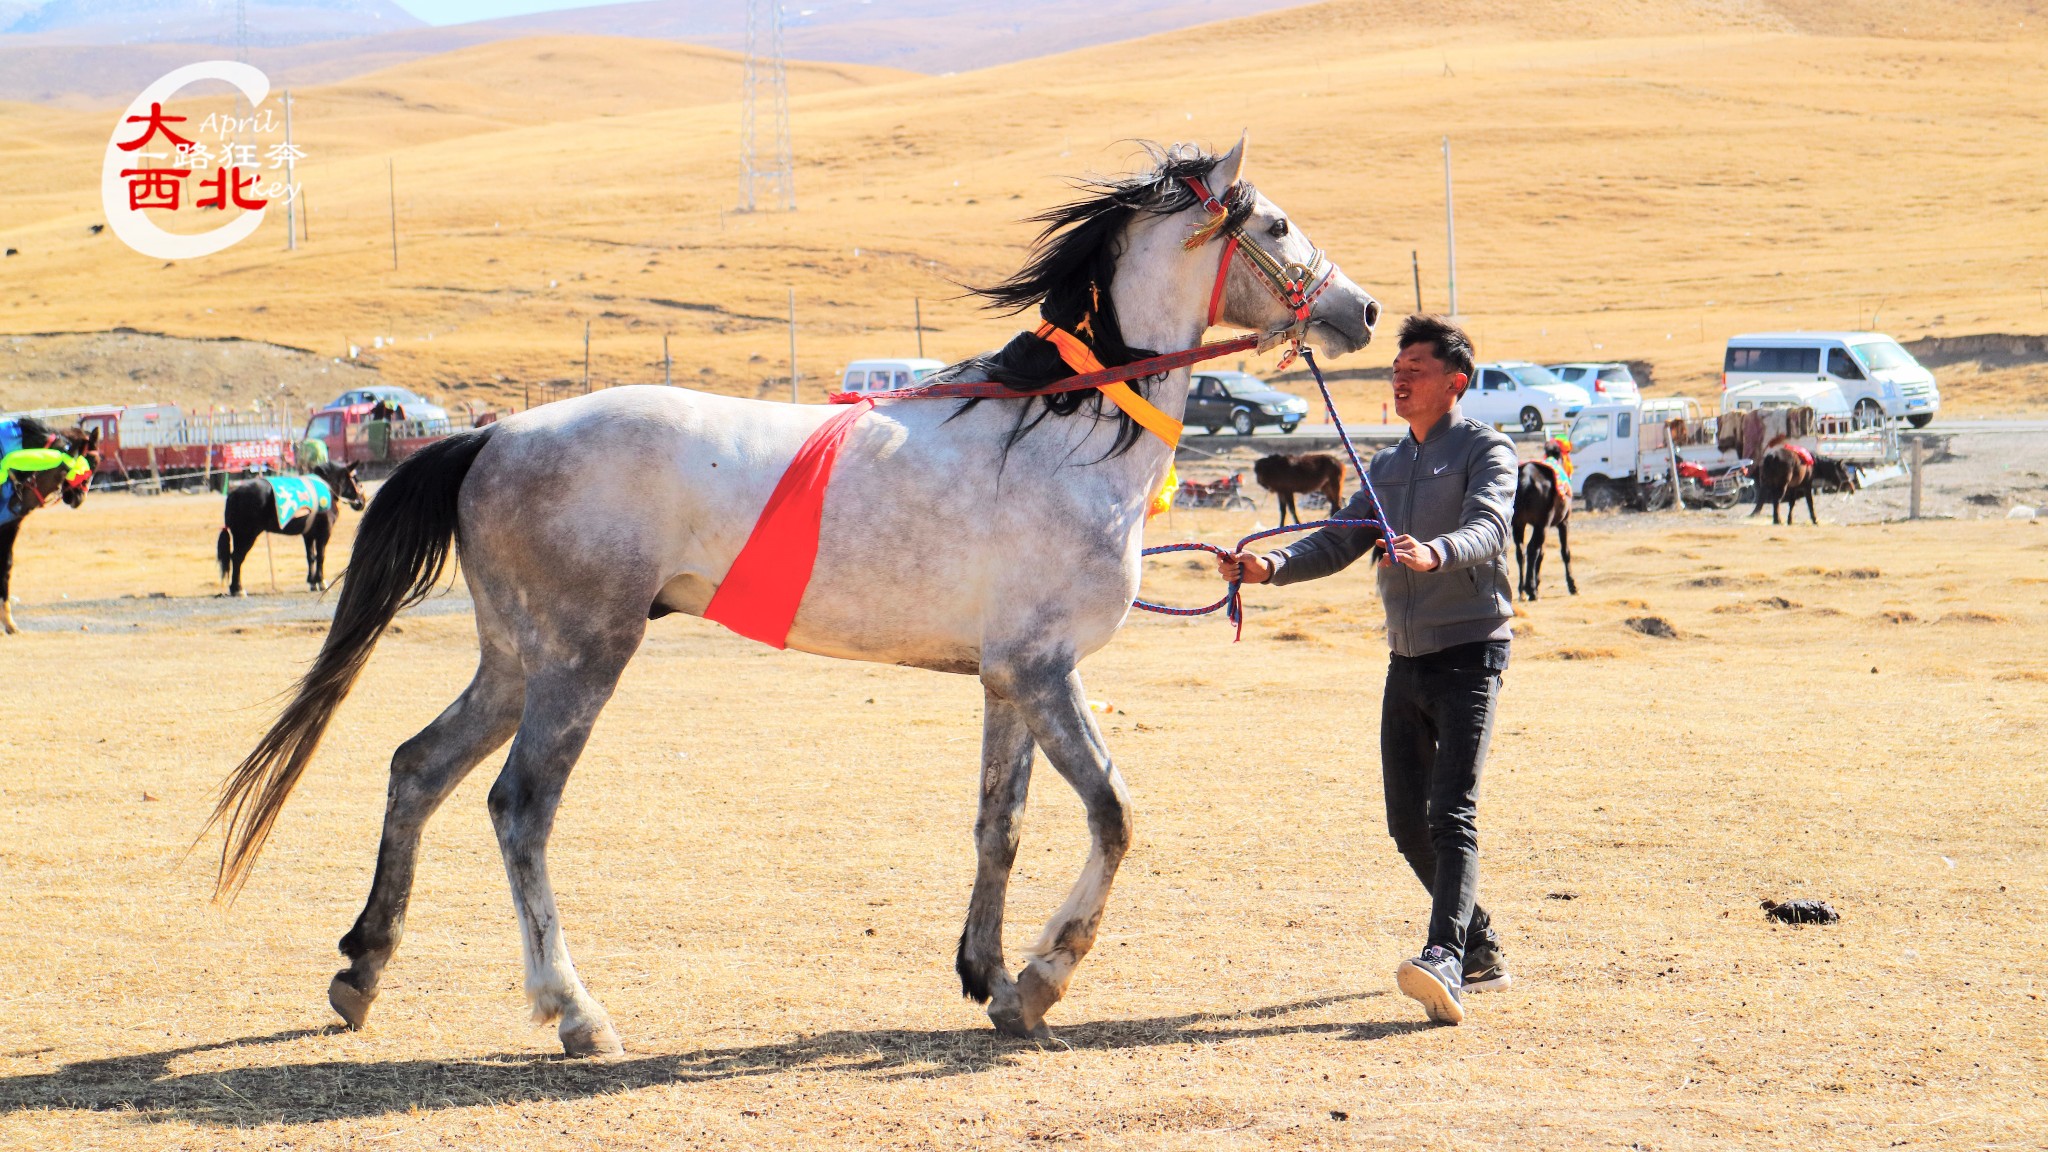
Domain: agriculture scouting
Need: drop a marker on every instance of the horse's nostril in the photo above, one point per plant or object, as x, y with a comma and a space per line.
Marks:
1372, 314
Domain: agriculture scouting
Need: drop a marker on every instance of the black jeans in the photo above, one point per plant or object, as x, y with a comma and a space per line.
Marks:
1436, 722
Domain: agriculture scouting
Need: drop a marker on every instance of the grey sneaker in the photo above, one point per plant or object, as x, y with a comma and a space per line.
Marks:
1434, 978
1486, 969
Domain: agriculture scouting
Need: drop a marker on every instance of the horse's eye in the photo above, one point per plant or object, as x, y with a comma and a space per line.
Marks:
1278, 229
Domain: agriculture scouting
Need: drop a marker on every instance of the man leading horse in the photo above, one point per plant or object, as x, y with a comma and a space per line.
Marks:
1448, 490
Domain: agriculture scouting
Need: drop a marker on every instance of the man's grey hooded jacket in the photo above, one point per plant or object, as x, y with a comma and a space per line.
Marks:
1455, 492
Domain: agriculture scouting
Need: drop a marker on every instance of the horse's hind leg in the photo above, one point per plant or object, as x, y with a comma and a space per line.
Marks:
1054, 707
1538, 538
424, 770
243, 545
1564, 549
563, 698
1006, 753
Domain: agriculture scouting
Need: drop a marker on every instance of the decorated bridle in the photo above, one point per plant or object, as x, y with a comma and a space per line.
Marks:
1295, 285
77, 468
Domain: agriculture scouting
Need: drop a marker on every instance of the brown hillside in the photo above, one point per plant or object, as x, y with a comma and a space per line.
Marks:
1640, 191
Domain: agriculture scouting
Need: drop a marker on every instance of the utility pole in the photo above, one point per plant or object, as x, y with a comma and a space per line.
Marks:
586, 357
1415, 265
667, 366
1450, 231
291, 203
391, 175
919, 306
765, 180
792, 345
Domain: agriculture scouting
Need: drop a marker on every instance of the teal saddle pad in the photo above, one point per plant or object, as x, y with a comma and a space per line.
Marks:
297, 496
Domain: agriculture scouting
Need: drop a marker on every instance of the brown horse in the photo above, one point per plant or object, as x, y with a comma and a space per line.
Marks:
1287, 476
29, 491
1790, 474
1543, 499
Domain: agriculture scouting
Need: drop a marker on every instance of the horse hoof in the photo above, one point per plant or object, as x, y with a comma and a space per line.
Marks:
1010, 1021
1035, 996
596, 1039
352, 1004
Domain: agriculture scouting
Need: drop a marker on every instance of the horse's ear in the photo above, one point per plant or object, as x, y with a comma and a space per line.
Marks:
1230, 167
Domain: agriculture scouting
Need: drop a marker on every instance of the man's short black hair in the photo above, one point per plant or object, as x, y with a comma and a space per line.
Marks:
1446, 339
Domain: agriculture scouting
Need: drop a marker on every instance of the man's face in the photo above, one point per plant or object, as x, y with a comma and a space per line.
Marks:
1424, 389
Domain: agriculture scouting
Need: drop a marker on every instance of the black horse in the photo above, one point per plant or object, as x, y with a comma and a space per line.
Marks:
1543, 500
252, 511
30, 491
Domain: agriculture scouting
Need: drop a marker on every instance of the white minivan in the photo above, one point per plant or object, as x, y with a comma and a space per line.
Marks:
885, 375
1878, 379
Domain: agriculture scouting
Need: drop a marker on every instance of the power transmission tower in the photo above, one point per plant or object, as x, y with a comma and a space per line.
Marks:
767, 175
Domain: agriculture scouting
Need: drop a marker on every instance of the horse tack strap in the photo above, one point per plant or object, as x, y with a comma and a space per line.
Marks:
1081, 359
761, 591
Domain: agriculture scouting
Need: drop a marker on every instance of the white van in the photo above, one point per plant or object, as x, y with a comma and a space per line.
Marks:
885, 375
1878, 379
1824, 397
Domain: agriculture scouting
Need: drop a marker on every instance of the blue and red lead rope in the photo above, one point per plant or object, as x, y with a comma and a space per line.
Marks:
1232, 602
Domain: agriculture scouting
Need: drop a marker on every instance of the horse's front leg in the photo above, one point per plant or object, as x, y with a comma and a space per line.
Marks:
1006, 753
312, 561
1564, 549
1521, 562
8, 532
1050, 697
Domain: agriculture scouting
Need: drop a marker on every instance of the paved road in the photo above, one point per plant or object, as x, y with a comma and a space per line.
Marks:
1964, 427
1323, 437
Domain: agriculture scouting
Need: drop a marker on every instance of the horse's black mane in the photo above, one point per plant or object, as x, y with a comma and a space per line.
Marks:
1068, 277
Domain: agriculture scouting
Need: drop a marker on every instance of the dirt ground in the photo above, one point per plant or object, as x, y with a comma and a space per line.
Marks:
764, 858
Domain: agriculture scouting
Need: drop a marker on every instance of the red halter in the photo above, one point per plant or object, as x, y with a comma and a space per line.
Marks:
1296, 286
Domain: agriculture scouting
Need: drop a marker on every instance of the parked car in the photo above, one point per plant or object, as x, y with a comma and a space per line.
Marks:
416, 407
1610, 381
1880, 380
1241, 401
886, 375
1519, 394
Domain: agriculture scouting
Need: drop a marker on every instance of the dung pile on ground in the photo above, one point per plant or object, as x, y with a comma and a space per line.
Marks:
1801, 911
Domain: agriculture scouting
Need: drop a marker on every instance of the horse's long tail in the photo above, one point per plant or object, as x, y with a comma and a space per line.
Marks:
399, 552
224, 550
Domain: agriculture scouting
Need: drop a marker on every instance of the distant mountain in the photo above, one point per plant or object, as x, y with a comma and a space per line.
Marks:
271, 23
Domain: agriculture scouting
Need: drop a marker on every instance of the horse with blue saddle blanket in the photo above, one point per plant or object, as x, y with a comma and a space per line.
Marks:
290, 506
37, 465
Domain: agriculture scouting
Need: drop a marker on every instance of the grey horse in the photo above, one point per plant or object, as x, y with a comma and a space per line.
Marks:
567, 564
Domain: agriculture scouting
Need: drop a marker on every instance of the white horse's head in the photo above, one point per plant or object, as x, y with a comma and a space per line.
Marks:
1142, 264
1278, 282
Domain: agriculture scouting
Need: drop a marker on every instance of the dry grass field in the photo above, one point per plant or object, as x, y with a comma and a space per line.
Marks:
763, 859
1635, 181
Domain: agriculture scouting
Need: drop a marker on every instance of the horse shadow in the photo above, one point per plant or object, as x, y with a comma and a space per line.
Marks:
145, 1087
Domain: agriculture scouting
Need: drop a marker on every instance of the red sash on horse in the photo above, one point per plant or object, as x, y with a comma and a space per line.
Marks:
1805, 457
759, 596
